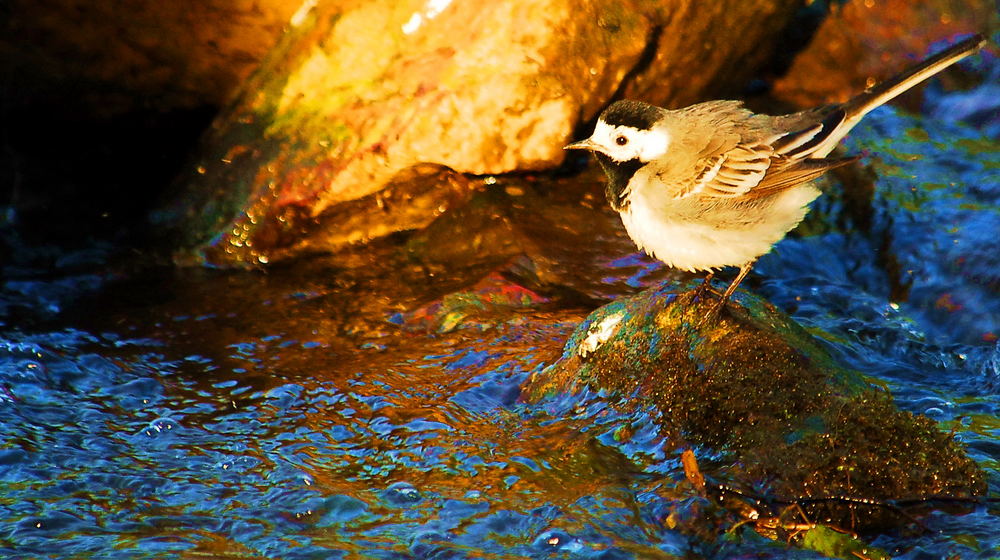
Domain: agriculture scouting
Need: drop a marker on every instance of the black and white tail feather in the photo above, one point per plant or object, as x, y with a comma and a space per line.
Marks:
818, 140
847, 115
790, 158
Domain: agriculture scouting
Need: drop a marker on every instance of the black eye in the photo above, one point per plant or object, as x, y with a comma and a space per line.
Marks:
621, 140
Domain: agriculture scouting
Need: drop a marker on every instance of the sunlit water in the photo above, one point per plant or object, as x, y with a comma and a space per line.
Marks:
271, 440
314, 411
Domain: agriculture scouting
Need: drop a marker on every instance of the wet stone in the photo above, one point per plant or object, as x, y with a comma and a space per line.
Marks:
757, 389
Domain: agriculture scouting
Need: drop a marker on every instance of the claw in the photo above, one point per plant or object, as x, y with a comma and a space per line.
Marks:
713, 313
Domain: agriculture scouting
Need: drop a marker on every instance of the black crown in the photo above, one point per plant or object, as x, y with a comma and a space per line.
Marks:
635, 114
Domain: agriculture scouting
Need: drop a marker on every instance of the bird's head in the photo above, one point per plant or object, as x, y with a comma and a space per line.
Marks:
626, 138
627, 131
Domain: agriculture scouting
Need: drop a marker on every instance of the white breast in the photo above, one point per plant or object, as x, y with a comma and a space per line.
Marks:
693, 235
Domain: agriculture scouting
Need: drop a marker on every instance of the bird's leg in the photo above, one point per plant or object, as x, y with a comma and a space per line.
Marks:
705, 286
744, 270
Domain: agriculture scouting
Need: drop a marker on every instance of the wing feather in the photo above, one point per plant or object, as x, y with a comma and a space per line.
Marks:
798, 172
731, 169
740, 171
748, 176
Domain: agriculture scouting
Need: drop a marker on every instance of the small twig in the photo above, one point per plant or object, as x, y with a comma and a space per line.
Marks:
692, 472
894, 505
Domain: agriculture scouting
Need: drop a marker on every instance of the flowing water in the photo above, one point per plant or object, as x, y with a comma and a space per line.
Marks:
365, 405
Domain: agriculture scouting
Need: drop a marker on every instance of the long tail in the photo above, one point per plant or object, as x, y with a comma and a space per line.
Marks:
859, 106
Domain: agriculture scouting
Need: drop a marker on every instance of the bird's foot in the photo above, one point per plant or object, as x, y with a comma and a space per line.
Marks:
705, 288
713, 312
716, 309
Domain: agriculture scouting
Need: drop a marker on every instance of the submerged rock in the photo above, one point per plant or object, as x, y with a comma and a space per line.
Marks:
492, 301
554, 235
757, 393
354, 95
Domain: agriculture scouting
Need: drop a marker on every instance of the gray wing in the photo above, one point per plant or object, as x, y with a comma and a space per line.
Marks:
759, 169
756, 169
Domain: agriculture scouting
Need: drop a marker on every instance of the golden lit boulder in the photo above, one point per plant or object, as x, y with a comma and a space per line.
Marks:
356, 95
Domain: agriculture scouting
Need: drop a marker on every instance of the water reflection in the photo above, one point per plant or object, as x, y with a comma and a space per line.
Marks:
310, 412
128, 450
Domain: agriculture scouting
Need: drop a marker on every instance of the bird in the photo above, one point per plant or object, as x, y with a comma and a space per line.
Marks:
714, 185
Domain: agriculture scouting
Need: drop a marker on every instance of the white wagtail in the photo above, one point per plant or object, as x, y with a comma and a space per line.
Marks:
715, 185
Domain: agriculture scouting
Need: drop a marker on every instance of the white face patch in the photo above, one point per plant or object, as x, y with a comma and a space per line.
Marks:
644, 145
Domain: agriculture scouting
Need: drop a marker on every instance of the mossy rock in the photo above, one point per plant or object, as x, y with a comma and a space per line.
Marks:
755, 390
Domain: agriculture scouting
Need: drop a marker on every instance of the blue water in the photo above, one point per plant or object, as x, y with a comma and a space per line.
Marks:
112, 447
310, 413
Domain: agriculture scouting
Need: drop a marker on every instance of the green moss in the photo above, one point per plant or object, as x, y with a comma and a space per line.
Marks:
757, 388
840, 545
870, 450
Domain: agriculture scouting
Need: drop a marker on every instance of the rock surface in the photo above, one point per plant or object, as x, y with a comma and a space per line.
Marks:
355, 95
117, 57
758, 395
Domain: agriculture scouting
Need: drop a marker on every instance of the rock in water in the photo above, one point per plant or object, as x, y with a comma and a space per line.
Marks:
758, 390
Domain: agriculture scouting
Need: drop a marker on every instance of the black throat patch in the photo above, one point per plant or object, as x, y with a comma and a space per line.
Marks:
619, 174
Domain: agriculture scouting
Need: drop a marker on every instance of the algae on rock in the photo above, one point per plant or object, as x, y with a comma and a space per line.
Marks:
756, 389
